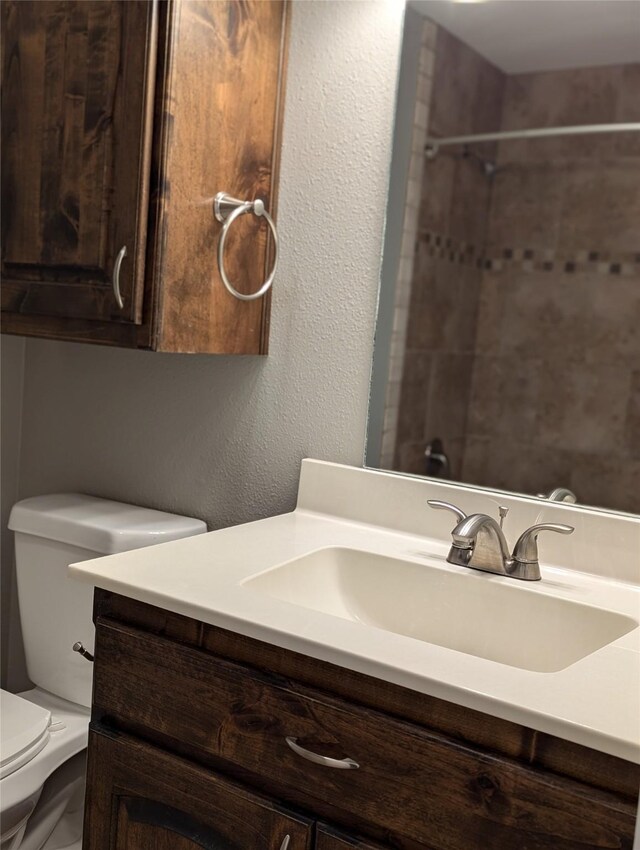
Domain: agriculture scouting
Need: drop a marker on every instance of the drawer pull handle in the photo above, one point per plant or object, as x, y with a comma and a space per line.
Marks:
122, 253
285, 842
339, 764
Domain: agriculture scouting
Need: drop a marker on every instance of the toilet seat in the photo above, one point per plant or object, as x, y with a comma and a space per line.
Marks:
66, 734
24, 731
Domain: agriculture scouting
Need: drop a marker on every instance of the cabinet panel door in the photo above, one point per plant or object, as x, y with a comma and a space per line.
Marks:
220, 124
141, 798
78, 85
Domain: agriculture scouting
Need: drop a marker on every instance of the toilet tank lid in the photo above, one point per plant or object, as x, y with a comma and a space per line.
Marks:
99, 525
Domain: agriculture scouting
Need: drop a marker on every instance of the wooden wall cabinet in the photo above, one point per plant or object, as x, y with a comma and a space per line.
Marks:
182, 711
120, 123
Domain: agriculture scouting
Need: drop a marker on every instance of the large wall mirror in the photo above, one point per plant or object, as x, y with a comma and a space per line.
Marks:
508, 340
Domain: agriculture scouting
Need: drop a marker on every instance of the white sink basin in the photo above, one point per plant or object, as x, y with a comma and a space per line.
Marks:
499, 619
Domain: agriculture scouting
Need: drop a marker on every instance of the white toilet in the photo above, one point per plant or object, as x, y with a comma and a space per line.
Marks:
43, 731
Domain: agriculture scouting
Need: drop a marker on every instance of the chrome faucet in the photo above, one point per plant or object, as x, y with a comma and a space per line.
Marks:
479, 542
561, 494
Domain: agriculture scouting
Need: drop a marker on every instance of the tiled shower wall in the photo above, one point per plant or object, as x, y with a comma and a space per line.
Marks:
522, 346
555, 396
445, 284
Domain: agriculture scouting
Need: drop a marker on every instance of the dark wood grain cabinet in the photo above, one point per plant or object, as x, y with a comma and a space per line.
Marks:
120, 123
219, 708
328, 838
78, 81
145, 799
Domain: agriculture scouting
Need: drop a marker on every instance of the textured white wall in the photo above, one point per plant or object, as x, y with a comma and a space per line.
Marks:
221, 438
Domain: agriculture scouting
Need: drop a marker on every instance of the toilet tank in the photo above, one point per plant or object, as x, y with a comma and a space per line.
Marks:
52, 532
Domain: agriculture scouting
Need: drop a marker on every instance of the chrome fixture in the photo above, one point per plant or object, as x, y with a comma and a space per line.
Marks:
433, 144
447, 506
78, 647
227, 209
436, 459
489, 167
115, 278
479, 543
309, 755
561, 494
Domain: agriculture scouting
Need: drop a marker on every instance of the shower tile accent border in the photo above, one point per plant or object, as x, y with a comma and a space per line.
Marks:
442, 247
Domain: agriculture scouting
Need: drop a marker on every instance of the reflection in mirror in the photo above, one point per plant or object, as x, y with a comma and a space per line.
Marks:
508, 339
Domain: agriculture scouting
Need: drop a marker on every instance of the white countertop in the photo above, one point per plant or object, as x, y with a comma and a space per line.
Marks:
594, 702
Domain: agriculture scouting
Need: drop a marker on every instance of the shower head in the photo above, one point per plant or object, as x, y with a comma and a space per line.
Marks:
488, 166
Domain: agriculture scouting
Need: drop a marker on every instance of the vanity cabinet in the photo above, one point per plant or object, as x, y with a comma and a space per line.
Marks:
145, 799
328, 838
379, 764
120, 123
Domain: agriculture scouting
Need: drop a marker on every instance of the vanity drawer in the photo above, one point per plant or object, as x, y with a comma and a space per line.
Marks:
409, 782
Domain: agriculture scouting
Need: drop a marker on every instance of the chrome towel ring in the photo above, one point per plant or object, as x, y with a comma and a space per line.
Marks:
227, 210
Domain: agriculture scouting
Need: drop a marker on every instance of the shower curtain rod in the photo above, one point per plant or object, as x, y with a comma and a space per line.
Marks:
432, 145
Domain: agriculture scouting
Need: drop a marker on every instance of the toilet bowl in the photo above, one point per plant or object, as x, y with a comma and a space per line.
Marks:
43, 733
42, 767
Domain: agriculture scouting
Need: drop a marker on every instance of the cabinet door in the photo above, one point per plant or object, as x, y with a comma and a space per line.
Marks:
141, 798
222, 97
78, 85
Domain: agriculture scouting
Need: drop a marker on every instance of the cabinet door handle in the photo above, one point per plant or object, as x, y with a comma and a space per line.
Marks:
339, 764
115, 279
285, 842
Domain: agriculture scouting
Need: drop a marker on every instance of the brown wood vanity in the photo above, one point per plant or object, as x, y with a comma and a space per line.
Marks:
121, 122
188, 748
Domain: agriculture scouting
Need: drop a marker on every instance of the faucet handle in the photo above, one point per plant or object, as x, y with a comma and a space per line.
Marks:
560, 494
525, 552
447, 506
